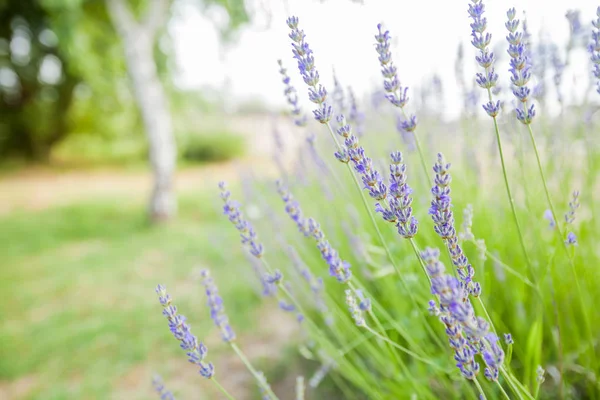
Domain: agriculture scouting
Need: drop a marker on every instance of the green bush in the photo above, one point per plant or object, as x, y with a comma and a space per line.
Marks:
212, 146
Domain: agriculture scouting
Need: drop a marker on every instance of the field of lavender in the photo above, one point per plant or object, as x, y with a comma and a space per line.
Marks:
449, 260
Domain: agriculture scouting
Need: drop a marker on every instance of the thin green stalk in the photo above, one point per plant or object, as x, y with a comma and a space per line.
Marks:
584, 307
222, 389
419, 149
510, 269
503, 391
421, 262
514, 386
403, 349
508, 192
479, 388
487, 315
253, 371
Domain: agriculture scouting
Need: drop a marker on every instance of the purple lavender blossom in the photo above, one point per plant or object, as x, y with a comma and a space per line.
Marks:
292, 97
450, 294
575, 25
396, 94
548, 216
594, 48
363, 165
315, 284
355, 116
196, 351
573, 206
215, 304
160, 388
338, 268
493, 356
443, 219
481, 41
571, 239
508, 339
292, 208
306, 64
520, 67
355, 310
247, 232
398, 208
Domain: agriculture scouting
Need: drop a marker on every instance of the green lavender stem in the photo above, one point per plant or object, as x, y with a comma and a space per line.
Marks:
222, 389
559, 231
253, 371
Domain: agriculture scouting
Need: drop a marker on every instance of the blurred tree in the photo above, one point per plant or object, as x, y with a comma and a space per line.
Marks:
53, 52
36, 81
138, 35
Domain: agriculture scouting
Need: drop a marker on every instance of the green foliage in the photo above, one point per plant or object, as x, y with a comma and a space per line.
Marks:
75, 344
211, 146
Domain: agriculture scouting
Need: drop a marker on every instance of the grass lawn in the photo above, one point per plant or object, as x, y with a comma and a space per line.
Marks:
80, 319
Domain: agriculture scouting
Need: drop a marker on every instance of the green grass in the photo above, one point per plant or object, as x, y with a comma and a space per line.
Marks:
77, 283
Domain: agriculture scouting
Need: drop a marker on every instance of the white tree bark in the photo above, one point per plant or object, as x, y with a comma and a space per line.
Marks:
138, 41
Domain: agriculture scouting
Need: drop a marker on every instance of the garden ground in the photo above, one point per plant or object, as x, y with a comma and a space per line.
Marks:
79, 266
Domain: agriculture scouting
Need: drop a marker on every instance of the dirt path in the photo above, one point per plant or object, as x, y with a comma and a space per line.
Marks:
38, 188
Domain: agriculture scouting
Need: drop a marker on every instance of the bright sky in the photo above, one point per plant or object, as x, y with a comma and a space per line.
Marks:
426, 35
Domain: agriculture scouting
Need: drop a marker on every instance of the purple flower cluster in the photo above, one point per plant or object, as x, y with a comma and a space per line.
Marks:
443, 219
161, 389
352, 151
247, 232
355, 116
397, 209
196, 351
291, 96
468, 335
306, 64
570, 217
316, 285
573, 206
338, 268
520, 68
594, 48
354, 308
263, 385
215, 304
396, 94
292, 208
481, 41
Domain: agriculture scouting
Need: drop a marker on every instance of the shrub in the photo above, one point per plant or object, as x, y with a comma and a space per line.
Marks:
211, 146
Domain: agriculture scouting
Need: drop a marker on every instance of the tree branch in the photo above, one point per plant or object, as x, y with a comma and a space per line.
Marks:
156, 15
121, 16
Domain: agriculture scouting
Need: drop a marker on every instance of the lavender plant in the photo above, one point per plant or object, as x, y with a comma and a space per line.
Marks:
366, 329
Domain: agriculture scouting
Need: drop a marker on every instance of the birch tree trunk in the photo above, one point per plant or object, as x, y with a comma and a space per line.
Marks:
138, 41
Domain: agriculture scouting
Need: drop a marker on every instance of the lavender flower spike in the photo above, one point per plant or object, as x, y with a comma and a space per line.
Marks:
292, 208
396, 94
594, 48
338, 268
573, 206
355, 309
247, 232
291, 96
306, 64
196, 351
449, 294
161, 389
443, 219
481, 41
215, 304
520, 68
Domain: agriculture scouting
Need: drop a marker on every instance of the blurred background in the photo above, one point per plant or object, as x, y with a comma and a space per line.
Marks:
118, 118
